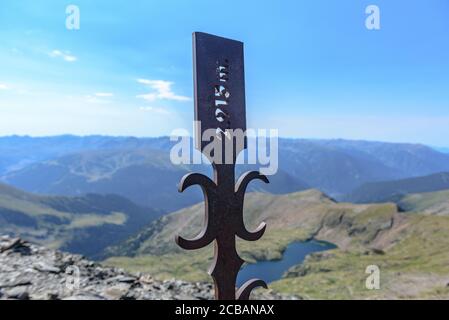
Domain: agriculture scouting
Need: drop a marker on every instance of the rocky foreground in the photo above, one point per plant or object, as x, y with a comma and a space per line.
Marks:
29, 271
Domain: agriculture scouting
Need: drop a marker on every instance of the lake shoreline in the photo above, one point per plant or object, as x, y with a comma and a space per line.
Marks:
294, 254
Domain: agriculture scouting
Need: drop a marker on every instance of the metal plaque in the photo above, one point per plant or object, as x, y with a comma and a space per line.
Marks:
219, 80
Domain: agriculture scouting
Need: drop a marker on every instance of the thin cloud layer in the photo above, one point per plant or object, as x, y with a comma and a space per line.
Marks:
104, 94
66, 55
100, 98
161, 90
155, 110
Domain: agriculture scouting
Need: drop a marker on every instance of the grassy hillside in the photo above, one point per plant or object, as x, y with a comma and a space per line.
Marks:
413, 261
409, 248
394, 190
436, 203
85, 224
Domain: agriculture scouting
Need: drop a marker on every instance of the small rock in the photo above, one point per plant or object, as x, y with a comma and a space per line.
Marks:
87, 264
121, 278
42, 267
182, 297
146, 278
116, 292
52, 296
8, 245
19, 293
14, 282
130, 295
85, 296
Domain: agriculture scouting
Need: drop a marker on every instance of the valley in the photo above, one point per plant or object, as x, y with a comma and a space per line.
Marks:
410, 248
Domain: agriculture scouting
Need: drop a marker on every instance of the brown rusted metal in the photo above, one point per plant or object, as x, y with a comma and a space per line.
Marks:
219, 75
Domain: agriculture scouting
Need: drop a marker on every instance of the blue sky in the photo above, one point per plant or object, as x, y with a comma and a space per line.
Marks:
313, 70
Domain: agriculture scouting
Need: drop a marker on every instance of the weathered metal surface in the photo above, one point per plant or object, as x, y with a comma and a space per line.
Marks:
219, 82
224, 197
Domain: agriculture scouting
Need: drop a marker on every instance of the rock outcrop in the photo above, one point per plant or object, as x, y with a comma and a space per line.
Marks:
29, 271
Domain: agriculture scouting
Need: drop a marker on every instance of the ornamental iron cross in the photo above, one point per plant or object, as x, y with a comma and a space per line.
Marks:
220, 106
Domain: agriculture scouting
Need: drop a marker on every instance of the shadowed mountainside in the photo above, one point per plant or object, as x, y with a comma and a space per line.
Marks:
434, 203
85, 224
394, 190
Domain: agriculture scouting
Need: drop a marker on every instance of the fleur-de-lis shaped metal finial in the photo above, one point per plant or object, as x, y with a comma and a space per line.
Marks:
223, 222
220, 106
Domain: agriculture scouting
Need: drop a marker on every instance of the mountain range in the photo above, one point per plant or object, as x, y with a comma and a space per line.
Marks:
140, 169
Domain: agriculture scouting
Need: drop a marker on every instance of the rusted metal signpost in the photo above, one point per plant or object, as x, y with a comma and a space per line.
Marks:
220, 107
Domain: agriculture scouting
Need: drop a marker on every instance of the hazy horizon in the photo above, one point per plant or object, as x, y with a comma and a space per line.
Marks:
445, 147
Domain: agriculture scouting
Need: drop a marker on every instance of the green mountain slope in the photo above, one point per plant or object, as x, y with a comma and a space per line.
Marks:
410, 249
394, 190
435, 203
85, 224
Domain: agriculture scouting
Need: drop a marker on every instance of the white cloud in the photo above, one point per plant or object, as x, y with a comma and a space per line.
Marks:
161, 90
66, 55
3, 87
99, 97
96, 99
155, 110
104, 94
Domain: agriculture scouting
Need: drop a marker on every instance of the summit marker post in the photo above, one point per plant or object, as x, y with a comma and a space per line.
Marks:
220, 115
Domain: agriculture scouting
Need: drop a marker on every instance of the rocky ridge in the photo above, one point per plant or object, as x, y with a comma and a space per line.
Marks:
30, 271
